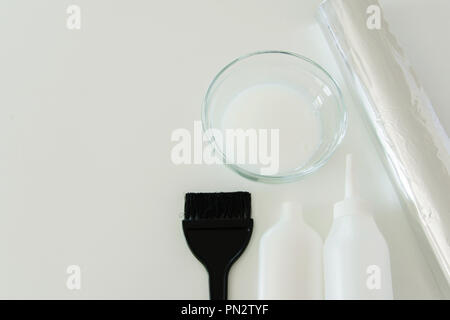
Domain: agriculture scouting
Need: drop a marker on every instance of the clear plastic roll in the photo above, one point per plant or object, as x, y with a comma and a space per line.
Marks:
411, 139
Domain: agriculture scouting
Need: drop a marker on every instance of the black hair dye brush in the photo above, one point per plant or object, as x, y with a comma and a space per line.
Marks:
217, 227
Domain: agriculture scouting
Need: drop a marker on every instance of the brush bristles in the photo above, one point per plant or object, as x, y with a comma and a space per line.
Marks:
222, 205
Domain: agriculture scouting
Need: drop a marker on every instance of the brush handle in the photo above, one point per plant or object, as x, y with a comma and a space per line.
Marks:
218, 284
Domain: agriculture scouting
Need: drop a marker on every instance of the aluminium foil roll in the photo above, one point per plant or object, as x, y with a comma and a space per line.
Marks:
414, 145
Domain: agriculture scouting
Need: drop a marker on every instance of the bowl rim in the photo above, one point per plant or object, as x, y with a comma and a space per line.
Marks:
298, 172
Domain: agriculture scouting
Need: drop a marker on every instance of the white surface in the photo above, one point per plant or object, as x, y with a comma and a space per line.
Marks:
85, 124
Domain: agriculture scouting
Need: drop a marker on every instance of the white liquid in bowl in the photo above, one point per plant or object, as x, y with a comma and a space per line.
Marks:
275, 106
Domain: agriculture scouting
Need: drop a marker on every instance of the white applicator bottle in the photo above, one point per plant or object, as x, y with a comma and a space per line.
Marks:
356, 256
290, 259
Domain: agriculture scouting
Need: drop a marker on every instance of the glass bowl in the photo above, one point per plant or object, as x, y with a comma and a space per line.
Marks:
316, 122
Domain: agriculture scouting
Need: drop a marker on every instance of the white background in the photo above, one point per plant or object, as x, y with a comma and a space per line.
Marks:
85, 124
